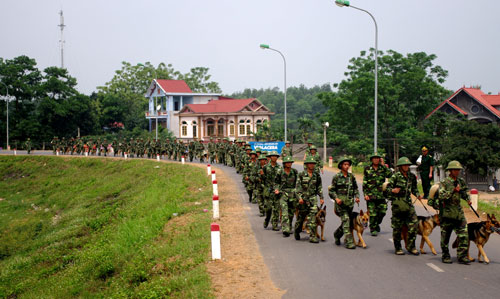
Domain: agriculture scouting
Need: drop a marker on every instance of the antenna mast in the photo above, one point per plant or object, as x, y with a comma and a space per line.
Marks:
61, 41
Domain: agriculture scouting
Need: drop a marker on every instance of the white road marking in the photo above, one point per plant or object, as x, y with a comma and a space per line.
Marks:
391, 240
435, 267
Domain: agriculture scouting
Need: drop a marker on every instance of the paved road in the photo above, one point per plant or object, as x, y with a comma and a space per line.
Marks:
308, 270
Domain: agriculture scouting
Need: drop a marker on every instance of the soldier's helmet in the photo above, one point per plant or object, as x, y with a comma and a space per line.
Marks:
258, 150
403, 161
454, 165
375, 155
287, 142
28, 139
253, 153
309, 160
262, 157
273, 153
313, 147
288, 159
344, 159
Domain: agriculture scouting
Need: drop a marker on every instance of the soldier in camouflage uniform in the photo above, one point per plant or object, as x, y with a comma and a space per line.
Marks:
309, 186
287, 150
313, 152
260, 191
401, 186
54, 143
271, 176
249, 175
191, 150
373, 180
308, 150
344, 190
27, 145
287, 192
451, 215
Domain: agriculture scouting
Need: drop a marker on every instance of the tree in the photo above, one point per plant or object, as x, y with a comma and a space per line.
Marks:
409, 88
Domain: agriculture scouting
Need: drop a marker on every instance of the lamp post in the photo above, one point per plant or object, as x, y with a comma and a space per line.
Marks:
7, 101
325, 126
157, 109
345, 3
264, 47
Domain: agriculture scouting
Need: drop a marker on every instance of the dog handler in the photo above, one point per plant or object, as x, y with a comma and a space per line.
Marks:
451, 214
344, 190
373, 180
401, 186
308, 187
287, 193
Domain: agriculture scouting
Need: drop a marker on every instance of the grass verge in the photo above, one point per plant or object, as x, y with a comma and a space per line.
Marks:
102, 228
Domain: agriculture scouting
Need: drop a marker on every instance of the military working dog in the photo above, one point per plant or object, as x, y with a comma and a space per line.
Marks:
479, 233
359, 221
425, 227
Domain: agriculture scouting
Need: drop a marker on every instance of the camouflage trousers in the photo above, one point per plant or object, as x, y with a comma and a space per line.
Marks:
377, 209
259, 196
397, 223
212, 157
345, 226
307, 210
460, 228
288, 205
272, 208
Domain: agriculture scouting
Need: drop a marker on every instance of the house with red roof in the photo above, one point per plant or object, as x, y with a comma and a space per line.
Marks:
174, 106
473, 104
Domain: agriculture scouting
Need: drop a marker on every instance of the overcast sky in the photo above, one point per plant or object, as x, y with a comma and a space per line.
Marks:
317, 37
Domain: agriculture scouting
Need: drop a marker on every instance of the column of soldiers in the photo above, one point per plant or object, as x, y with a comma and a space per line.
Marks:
281, 192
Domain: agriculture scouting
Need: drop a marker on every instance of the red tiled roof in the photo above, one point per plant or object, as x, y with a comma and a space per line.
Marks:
223, 105
174, 86
488, 101
479, 96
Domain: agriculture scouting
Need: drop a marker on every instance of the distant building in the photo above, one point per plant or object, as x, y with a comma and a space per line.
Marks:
202, 115
473, 104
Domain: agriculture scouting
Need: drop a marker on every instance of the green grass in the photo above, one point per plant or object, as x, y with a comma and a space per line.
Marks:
102, 228
484, 207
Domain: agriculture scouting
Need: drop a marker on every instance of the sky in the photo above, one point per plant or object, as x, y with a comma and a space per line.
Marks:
317, 37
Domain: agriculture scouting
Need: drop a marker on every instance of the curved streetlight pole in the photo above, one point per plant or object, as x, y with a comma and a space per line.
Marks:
7, 101
264, 47
344, 3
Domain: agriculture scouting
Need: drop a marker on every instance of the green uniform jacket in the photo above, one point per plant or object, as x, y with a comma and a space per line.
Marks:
271, 176
427, 162
288, 182
408, 186
308, 187
374, 179
345, 188
448, 201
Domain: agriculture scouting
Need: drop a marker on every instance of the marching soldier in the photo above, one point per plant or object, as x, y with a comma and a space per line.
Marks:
261, 191
373, 180
287, 191
313, 152
401, 186
271, 175
426, 168
55, 144
308, 150
308, 187
451, 214
344, 190
248, 176
287, 150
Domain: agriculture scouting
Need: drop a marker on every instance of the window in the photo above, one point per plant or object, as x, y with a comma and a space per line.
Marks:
220, 127
259, 125
242, 130
210, 127
184, 129
249, 127
231, 128
195, 127
475, 109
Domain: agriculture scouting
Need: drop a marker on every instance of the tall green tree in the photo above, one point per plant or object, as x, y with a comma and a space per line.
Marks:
409, 87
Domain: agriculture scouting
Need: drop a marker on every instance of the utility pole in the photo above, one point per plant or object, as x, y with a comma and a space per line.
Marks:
61, 41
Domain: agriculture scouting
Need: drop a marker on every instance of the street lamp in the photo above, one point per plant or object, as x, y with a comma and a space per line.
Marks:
7, 101
345, 3
325, 126
266, 47
157, 109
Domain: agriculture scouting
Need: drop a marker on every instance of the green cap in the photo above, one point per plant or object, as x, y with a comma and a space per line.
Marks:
309, 160
288, 159
313, 147
454, 165
253, 153
342, 160
258, 150
375, 155
273, 153
262, 157
403, 161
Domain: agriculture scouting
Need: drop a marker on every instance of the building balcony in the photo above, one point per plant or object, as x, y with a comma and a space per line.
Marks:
159, 114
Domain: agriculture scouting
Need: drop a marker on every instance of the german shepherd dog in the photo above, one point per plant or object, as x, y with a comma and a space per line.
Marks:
359, 221
425, 227
320, 221
479, 233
